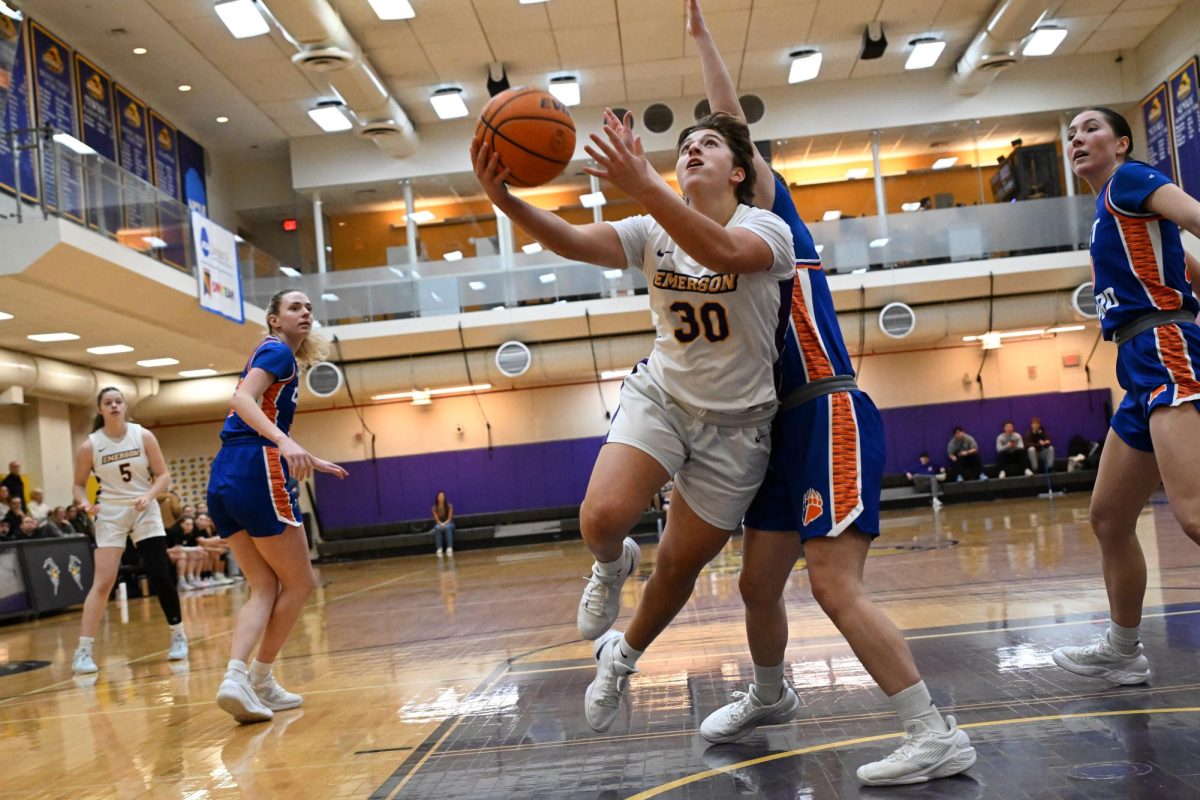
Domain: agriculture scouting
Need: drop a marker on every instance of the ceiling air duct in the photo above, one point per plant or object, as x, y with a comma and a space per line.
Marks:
997, 46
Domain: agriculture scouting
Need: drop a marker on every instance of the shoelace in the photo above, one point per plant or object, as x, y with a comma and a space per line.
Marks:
596, 594
611, 694
906, 750
742, 705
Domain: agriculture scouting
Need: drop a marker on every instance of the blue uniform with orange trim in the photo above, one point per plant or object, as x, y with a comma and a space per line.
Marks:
1138, 268
247, 487
826, 468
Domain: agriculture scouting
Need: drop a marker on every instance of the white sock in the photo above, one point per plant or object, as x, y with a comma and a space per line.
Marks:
915, 704
610, 569
626, 655
259, 671
85, 642
768, 683
237, 667
177, 630
1124, 640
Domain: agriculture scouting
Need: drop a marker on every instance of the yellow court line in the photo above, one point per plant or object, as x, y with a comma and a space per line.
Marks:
700, 776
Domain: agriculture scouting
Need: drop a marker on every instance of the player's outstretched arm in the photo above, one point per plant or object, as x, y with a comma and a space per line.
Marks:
247, 404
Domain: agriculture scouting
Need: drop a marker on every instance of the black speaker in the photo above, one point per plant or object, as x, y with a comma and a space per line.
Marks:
752, 107
874, 41
702, 110
658, 118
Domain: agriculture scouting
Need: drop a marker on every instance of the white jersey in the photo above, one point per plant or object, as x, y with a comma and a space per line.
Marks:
718, 335
122, 467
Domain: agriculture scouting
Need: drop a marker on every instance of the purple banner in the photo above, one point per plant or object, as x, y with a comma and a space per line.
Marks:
1160, 146
1185, 115
14, 74
54, 94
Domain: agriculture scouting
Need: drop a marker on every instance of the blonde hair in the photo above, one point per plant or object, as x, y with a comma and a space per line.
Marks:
314, 348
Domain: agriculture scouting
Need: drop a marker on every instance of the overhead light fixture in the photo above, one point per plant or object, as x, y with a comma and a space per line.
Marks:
592, 199
925, 53
222, 119
52, 337
420, 217
944, 163
830, 216
478, 286
392, 9
453, 255
547, 277
566, 89
531, 248
613, 274
531, 2
991, 339
1044, 41
879, 242
71, 143
140, 51
330, 117
448, 103
155, 242
857, 172
329, 297
242, 18
1066, 328
12, 13
197, 373
805, 65
185, 87
610, 374
291, 272
421, 398
913, 206
237, 237
110, 349
158, 362
5, 316
478, 387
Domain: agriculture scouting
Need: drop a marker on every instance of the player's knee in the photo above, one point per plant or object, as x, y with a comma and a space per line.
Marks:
601, 519
1190, 522
832, 593
756, 594
676, 572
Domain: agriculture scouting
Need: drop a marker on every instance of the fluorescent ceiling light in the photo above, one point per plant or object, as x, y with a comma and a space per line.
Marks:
52, 337
478, 286
609, 374
197, 373
421, 398
613, 274
913, 206
140, 51
448, 103
830, 216
805, 66
592, 199
70, 142
857, 172
478, 387
990, 335
991, 341
329, 297
943, 163
1066, 328
531, 2
291, 272
110, 349
243, 18
158, 362
330, 118
532, 247
566, 89
879, 242
925, 53
222, 119
453, 255
392, 9
3, 315
420, 217
185, 87
547, 277
154, 242
12, 13
1044, 41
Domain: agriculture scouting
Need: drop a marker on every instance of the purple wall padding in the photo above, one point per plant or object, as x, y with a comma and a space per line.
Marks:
510, 478
913, 429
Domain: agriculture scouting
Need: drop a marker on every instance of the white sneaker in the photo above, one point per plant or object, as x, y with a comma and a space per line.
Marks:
603, 697
83, 662
179, 647
1003, 474
601, 600
274, 696
221, 580
734, 720
237, 698
924, 756
1100, 660
1028, 472
449, 551
439, 552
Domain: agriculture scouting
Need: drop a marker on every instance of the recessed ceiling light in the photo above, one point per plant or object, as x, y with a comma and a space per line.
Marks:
140, 51
242, 18
478, 286
566, 89
110, 349
222, 119
830, 216
925, 53
392, 9
158, 362
330, 118
184, 87
52, 337
943, 163
197, 373
1044, 41
805, 66
453, 255
448, 103
913, 206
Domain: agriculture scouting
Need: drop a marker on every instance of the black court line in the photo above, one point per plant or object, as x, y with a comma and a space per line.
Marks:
381, 750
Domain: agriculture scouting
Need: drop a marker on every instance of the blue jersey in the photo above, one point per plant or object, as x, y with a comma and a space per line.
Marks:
1137, 259
813, 347
278, 401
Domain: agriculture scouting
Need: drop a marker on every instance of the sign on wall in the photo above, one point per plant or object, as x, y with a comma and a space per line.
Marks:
1156, 112
1184, 93
17, 116
98, 131
165, 147
54, 102
217, 274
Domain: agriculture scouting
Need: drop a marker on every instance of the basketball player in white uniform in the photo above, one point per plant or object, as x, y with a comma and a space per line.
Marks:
699, 409
132, 472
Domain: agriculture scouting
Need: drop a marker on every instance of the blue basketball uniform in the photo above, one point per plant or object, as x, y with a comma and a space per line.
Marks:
247, 487
1138, 268
826, 468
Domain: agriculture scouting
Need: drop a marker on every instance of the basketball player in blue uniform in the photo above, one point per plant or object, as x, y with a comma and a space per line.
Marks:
820, 497
249, 501
1146, 306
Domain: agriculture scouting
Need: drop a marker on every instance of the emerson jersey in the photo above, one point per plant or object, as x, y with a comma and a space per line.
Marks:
278, 401
1138, 264
718, 335
121, 467
813, 347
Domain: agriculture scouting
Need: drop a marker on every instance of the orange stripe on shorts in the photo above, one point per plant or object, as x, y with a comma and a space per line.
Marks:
844, 442
1173, 352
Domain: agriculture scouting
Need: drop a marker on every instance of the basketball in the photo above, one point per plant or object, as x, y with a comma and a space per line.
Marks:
533, 133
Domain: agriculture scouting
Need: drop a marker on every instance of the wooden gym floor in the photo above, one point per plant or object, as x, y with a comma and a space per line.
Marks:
464, 678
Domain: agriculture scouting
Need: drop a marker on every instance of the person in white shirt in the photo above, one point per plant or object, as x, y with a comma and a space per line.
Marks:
37, 506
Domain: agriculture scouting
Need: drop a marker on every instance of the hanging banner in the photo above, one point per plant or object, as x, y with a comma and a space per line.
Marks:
165, 151
1156, 112
191, 173
98, 131
14, 101
1185, 116
217, 274
54, 102
133, 134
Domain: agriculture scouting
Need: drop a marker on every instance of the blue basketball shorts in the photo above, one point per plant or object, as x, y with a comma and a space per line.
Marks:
826, 469
1156, 368
247, 490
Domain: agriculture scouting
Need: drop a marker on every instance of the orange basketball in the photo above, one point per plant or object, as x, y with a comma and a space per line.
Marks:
533, 133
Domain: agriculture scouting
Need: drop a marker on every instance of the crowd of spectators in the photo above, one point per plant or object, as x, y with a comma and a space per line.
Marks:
29, 516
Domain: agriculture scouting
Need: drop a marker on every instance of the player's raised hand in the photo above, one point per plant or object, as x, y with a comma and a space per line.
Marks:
620, 157
488, 171
695, 20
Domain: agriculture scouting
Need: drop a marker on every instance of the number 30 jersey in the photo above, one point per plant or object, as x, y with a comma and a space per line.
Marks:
718, 335
121, 466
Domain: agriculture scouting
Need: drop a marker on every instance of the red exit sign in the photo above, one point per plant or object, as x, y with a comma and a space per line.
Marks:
289, 225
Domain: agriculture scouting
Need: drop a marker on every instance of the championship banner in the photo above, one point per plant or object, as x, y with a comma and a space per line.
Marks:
133, 134
165, 151
14, 101
217, 273
54, 101
1185, 114
1160, 146
98, 131
191, 172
